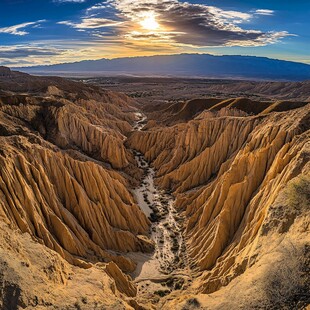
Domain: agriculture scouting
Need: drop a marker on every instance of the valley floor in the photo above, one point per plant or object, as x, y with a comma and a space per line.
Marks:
159, 273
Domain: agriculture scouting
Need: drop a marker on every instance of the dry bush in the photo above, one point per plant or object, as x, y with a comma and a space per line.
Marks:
287, 283
298, 193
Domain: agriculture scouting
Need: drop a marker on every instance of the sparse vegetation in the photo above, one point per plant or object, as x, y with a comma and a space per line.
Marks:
179, 284
191, 303
84, 300
162, 293
153, 217
295, 201
298, 193
288, 287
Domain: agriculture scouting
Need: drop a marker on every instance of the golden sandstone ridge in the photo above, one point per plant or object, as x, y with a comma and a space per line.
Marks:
58, 148
237, 169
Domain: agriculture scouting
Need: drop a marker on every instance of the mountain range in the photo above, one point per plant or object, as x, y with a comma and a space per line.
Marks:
185, 65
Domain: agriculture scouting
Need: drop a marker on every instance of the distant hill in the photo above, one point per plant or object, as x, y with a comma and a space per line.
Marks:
201, 65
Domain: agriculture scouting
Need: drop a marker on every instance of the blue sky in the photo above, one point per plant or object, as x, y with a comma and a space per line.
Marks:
55, 31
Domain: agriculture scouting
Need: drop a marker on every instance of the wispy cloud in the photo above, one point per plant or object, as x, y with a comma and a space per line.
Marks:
23, 51
98, 6
91, 23
19, 29
265, 12
66, 1
46, 52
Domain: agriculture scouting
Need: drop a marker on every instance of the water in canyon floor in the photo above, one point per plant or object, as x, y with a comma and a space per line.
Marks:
167, 261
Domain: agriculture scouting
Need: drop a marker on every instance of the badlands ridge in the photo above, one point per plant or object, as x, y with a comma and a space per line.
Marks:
234, 178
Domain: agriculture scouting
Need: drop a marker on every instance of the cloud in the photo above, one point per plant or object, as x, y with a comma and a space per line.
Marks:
46, 52
51, 51
188, 24
98, 6
92, 23
18, 30
22, 51
265, 12
66, 1
6, 62
180, 24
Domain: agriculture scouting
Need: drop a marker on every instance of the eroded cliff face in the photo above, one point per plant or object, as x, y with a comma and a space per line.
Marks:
225, 173
274, 274
92, 127
75, 207
64, 181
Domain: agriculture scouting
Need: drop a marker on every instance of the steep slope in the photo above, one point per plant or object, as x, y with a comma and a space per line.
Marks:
275, 274
77, 208
64, 186
225, 173
57, 151
72, 125
183, 111
33, 276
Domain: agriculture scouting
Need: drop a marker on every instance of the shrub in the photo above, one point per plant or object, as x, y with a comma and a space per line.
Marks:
288, 286
191, 303
298, 193
162, 293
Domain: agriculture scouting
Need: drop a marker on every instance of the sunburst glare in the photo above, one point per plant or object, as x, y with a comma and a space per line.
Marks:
149, 22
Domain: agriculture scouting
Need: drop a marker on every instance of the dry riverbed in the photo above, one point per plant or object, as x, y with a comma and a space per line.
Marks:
159, 273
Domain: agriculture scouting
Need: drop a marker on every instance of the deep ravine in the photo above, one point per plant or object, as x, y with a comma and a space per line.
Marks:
163, 270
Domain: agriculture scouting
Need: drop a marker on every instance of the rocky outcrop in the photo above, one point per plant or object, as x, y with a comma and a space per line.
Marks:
275, 274
65, 194
34, 276
4, 71
230, 214
122, 282
89, 126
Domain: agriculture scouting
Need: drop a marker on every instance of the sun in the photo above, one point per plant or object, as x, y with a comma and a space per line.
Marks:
149, 22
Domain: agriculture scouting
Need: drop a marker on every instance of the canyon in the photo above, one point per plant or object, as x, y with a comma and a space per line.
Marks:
115, 201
